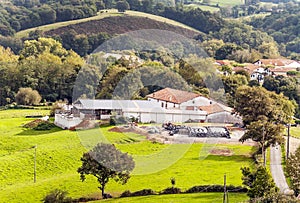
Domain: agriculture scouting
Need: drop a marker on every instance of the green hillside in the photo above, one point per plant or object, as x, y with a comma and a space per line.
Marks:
59, 152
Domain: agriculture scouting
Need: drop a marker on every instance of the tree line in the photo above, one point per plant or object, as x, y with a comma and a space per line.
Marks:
43, 65
241, 42
18, 15
284, 28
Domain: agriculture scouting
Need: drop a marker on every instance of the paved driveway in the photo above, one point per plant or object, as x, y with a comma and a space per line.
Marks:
277, 170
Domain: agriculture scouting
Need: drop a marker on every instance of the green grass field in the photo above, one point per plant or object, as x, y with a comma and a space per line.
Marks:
295, 132
59, 152
101, 15
225, 3
202, 7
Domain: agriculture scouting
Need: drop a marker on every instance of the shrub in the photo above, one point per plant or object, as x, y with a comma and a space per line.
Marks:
27, 96
57, 196
115, 121
121, 120
44, 125
126, 193
171, 190
56, 106
104, 123
39, 124
215, 188
143, 192
112, 121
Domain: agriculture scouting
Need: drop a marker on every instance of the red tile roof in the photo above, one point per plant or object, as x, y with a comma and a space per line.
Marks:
214, 108
284, 70
276, 62
173, 95
248, 67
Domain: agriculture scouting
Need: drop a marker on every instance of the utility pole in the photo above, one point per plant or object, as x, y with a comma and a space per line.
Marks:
288, 141
263, 146
225, 197
34, 170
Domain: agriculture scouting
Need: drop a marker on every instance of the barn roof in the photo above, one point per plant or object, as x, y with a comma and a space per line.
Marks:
116, 104
215, 108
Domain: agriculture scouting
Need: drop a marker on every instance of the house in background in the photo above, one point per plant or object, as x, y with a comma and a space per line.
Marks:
282, 71
269, 67
259, 73
278, 63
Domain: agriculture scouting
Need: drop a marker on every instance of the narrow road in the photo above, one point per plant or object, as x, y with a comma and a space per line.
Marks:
277, 170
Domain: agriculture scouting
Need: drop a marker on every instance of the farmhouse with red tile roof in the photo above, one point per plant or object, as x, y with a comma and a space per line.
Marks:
278, 63
171, 98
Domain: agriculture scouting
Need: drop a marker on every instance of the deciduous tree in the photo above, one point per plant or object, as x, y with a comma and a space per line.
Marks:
105, 162
264, 114
27, 96
122, 5
259, 182
293, 169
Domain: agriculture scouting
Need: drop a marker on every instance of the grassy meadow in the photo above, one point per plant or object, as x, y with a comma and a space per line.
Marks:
225, 3
59, 152
202, 7
295, 132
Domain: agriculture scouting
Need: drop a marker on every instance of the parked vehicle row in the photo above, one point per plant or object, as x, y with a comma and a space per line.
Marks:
204, 131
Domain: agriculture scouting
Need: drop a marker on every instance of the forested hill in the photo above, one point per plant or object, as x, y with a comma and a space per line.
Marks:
284, 27
85, 37
119, 25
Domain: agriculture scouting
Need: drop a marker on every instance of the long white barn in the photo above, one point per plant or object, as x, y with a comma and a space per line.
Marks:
145, 111
167, 105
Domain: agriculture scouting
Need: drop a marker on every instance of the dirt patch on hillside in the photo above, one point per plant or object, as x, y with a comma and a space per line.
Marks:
221, 152
128, 129
119, 25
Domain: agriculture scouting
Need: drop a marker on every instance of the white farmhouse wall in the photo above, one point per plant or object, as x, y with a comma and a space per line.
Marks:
166, 116
295, 64
164, 104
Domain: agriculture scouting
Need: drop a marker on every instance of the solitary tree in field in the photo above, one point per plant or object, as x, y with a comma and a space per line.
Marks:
105, 162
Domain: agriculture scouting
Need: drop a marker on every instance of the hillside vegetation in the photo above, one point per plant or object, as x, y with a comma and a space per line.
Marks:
161, 21
119, 25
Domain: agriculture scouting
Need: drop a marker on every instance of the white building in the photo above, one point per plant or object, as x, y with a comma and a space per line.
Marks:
172, 100
260, 73
143, 110
278, 63
167, 105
